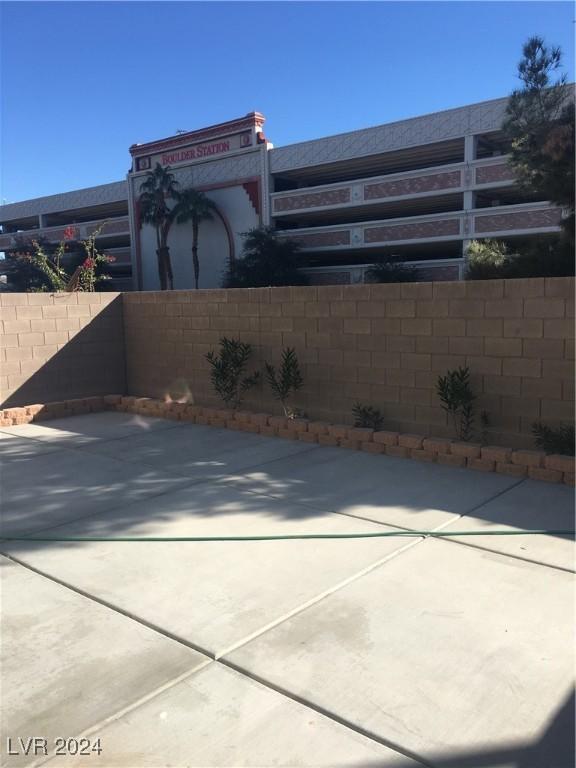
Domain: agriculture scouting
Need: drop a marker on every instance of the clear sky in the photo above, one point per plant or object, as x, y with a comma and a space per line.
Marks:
81, 81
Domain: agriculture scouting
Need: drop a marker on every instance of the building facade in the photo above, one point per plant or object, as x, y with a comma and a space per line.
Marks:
418, 189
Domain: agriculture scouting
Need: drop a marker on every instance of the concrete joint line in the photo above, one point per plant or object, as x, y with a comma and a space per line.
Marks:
219, 657
327, 713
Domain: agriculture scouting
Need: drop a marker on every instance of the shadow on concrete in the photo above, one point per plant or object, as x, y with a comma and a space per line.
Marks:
556, 748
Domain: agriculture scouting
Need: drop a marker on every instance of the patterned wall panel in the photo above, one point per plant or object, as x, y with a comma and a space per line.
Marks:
312, 200
322, 239
415, 231
413, 185
439, 126
501, 222
487, 174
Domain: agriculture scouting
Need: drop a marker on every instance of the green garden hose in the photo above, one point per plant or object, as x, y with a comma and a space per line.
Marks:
285, 537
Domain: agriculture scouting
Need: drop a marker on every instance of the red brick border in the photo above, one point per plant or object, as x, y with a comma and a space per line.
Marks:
517, 463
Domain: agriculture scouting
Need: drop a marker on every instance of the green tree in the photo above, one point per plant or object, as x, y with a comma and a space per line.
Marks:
194, 206
267, 260
157, 190
540, 125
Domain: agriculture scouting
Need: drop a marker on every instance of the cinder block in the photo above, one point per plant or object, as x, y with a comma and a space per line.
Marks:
437, 445
270, 431
568, 478
242, 416
371, 447
481, 465
548, 475
298, 425
353, 445
318, 427
496, 453
423, 455
410, 441
307, 437
363, 434
327, 440
278, 422
528, 458
450, 460
245, 426
289, 434
560, 463
468, 450
386, 437
398, 451
515, 470
33, 410
261, 419
112, 399
339, 431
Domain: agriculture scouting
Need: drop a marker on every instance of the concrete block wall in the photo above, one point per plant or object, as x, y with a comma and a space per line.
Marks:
60, 346
383, 345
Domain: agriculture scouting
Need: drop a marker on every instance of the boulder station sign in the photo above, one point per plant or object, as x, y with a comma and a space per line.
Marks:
200, 151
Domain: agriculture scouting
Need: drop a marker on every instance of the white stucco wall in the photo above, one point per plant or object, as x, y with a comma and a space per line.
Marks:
213, 242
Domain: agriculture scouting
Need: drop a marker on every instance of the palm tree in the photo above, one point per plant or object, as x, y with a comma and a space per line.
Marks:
194, 206
160, 186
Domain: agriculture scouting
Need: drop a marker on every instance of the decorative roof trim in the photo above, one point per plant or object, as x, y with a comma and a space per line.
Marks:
251, 120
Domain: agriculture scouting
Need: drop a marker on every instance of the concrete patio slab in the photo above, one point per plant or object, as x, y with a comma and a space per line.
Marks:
409, 494
91, 427
15, 448
199, 452
453, 652
68, 663
58, 486
429, 651
212, 594
530, 505
220, 719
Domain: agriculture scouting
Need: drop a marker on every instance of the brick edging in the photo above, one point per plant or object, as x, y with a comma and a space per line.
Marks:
537, 465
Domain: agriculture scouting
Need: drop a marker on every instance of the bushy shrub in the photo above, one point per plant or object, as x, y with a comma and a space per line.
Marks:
367, 416
542, 257
457, 398
267, 260
228, 374
286, 381
554, 439
391, 270
486, 260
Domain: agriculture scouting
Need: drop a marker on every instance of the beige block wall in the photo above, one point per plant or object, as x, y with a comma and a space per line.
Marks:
60, 346
383, 345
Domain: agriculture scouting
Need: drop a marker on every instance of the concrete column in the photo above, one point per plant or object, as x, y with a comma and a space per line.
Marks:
41, 220
470, 144
469, 200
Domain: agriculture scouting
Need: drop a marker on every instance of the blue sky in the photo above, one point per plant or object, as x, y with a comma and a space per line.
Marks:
81, 81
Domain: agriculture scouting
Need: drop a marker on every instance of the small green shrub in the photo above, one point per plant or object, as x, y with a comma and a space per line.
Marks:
286, 381
266, 260
228, 374
367, 416
457, 400
542, 257
554, 439
391, 270
486, 260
